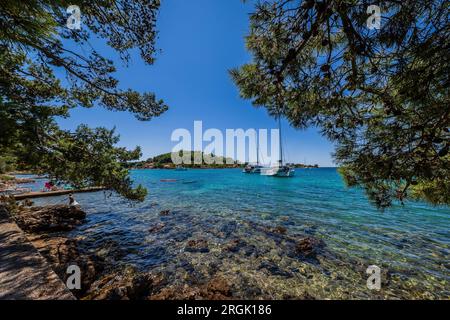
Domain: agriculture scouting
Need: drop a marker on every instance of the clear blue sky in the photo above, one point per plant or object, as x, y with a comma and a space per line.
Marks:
200, 41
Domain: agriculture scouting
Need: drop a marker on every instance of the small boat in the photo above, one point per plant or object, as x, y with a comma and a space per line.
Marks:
254, 168
281, 170
180, 168
189, 182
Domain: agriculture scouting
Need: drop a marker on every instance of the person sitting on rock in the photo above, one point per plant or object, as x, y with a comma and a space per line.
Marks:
72, 201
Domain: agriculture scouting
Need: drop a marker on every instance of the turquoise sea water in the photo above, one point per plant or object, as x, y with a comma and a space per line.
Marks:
225, 208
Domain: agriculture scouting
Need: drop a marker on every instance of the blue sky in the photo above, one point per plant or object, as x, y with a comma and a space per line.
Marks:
200, 41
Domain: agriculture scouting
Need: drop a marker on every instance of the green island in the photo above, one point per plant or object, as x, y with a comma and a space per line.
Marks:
164, 161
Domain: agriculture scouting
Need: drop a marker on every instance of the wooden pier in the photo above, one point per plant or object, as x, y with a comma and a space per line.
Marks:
43, 194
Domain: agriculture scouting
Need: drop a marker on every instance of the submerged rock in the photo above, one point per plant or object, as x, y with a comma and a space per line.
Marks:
250, 250
217, 288
197, 245
127, 284
274, 269
177, 293
181, 236
52, 218
111, 251
238, 245
234, 245
304, 296
309, 246
279, 230
164, 213
228, 229
157, 227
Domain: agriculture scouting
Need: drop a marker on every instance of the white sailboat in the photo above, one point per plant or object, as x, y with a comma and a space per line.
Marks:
279, 170
254, 168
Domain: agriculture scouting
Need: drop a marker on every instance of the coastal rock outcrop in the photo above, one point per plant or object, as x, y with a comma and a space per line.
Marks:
44, 226
217, 288
126, 284
62, 252
52, 218
24, 180
11, 182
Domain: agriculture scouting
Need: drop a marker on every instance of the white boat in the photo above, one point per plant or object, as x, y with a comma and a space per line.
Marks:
254, 168
281, 170
180, 168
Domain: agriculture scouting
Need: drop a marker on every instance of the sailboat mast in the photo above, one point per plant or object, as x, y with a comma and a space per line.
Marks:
281, 144
257, 151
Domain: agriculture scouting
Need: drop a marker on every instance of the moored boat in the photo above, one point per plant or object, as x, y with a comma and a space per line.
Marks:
280, 170
254, 168
250, 168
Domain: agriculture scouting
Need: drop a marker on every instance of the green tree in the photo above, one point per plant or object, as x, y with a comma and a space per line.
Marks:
380, 95
42, 77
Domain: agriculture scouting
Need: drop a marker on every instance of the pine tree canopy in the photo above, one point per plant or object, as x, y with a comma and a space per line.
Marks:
43, 77
380, 95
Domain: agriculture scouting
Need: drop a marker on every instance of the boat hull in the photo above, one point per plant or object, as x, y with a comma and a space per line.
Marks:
252, 169
281, 172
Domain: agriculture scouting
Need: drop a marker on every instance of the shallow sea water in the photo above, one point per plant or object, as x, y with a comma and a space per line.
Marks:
234, 214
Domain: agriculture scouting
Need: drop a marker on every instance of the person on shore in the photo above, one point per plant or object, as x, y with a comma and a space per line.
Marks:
48, 186
72, 201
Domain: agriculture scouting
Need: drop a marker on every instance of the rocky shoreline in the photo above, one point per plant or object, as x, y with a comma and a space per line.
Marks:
178, 255
10, 182
47, 227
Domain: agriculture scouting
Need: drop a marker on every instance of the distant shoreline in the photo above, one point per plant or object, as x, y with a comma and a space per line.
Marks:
205, 168
165, 161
